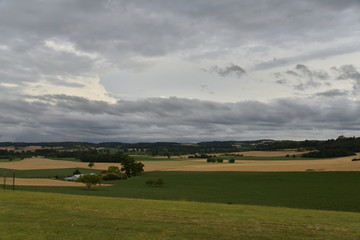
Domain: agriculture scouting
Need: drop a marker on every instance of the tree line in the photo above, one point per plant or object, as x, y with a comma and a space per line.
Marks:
340, 147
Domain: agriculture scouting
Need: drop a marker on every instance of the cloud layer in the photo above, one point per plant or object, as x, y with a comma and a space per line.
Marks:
97, 70
58, 117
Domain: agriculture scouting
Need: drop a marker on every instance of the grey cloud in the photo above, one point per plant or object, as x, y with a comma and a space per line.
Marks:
125, 34
304, 77
121, 28
333, 93
231, 70
315, 54
62, 117
349, 72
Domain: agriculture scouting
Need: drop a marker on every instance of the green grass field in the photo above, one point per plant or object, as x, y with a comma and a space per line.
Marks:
306, 190
25, 215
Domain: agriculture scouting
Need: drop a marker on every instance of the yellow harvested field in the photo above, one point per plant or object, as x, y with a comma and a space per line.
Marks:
334, 164
44, 163
269, 153
45, 182
22, 148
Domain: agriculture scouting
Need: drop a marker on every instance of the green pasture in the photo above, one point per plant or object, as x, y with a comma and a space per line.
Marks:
25, 215
306, 190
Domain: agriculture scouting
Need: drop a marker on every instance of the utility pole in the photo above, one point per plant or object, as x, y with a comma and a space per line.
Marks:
13, 181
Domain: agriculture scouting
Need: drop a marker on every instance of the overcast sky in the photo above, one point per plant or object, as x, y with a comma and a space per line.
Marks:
178, 70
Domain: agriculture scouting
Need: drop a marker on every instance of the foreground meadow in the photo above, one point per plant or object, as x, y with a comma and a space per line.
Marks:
26, 215
264, 195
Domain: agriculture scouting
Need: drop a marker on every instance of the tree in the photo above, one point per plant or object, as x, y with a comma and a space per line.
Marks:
113, 169
90, 180
91, 164
130, 167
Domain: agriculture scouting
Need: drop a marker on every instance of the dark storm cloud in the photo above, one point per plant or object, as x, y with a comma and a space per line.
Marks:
231, 70
61, 117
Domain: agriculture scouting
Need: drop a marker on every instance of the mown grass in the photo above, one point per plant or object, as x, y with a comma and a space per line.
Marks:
307, 190
25, 215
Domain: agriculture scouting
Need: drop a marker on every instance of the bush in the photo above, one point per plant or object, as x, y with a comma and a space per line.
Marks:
231, 160
159, 182
150, 182
113, 169
155, 182
219, 160
90, 180
77, 171
110, 177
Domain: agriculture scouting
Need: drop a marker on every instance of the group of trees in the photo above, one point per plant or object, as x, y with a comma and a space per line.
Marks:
342, 146
73, 149
219, 160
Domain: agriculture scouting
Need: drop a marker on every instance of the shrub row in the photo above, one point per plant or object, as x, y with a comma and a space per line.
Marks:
219, 160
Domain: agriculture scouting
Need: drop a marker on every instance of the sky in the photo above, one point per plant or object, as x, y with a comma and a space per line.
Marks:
175, 70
